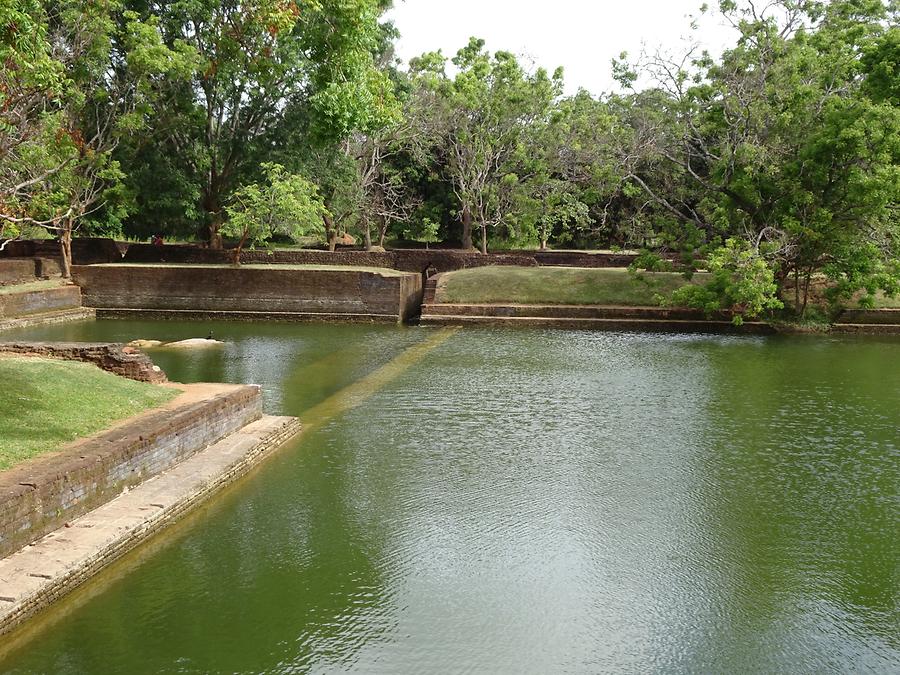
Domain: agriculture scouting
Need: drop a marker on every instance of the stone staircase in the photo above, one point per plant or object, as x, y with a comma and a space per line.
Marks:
593, 317
868, 321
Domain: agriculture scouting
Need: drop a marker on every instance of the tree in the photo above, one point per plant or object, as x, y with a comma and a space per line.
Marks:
791, 141
477, 120
380, 193
259, 63
426, 232
742, 283
562, 214
286, 204
32, 83
110, 67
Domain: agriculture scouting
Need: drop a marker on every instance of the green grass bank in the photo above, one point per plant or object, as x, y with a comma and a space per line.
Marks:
48, 403
558, 286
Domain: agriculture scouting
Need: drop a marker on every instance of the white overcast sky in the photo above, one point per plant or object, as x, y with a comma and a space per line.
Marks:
579, 35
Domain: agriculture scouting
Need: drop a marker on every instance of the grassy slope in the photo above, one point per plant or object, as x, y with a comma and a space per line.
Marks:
46, 403
556, 286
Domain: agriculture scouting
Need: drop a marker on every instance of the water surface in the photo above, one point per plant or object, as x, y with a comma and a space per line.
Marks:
520, 501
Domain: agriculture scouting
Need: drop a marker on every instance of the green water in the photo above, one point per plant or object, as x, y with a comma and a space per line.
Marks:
520, 502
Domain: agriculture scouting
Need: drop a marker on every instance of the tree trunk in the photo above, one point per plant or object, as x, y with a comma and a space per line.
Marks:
214, 213
330, 232
215, 239
805, 293
65, 247
382, 230
367, 236
236, 253
467, 228
543, 244
483, 237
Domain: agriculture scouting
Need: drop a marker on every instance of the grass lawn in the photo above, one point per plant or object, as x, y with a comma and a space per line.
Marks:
47, 403
31, 286
557, 286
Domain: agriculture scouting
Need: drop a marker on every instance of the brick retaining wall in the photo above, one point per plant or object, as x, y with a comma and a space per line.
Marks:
26, 303
23, 270
39, 575
16, 270
887, 317
44, 494
89, 251
405, 260
352, 294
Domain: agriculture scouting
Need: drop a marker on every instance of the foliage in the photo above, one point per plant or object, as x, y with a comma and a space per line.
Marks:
286, 204
650, 261
426, 232
790, 141
476, 121
256, 65
98, 67
742, 283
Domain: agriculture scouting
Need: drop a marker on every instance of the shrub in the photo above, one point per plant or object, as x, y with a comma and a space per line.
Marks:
742, 282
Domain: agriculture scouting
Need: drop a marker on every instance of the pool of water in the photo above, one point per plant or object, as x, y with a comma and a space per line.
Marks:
519, 501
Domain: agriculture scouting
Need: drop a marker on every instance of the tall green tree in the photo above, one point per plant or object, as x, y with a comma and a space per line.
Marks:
791, 141
477, 119
285, 204
257, 62
96, 89
32, 88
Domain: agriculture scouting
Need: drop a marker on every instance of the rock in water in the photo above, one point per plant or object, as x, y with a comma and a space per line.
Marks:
144, 344
194, 343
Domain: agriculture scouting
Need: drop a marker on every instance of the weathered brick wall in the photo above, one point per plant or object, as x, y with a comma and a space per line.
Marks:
406, 260
44, 268
870, 316
34, 302
44, 494
23, 270
85, 250
91, 251
582, 259
16, 270
347, 293
113, 358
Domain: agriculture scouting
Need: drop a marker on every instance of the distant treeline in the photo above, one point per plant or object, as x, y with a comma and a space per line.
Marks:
776, 163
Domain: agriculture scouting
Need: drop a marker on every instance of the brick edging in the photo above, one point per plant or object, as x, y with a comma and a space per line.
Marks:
154, 523
40, 495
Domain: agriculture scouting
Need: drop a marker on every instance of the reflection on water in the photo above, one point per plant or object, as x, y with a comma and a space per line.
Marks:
524, 501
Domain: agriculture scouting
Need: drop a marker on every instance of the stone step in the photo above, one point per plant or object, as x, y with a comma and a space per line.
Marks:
626, 325
47, 318
572, 311
888, 316
867, 328
224, 315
